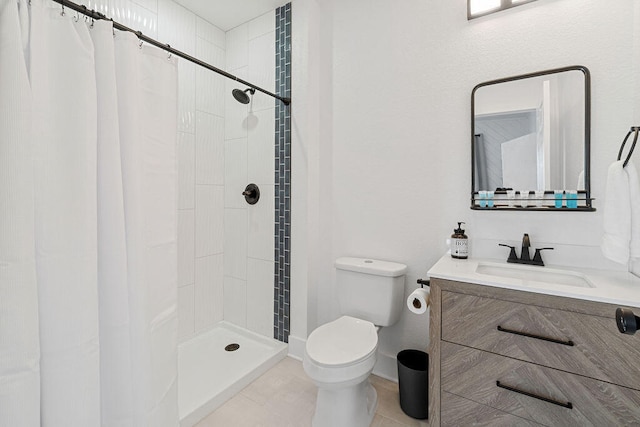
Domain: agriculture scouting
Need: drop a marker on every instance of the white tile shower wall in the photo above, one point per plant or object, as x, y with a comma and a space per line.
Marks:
186, 247
237, 47
151, 5
261, 64
186, 170
209, 149
210, 94
235, 243
209, 222
200, 164
259, 152
186, 96
208, 32
185, 311
260, 295
249, 157
235, 301
260, 236
235, 171
208, 293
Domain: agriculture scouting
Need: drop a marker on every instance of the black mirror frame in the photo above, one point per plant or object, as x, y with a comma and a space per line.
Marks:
585, 195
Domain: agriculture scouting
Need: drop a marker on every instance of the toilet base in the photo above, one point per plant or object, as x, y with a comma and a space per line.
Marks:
351, 406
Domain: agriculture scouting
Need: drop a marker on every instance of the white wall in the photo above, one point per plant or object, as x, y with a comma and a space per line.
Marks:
311, 148
200, 167
397, 156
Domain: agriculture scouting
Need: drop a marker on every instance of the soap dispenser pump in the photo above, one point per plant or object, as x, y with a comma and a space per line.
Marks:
459, 243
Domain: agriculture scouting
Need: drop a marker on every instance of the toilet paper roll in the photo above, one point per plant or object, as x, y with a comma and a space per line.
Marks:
418, 301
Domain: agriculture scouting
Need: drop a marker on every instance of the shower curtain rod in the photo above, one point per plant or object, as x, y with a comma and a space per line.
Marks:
99, 16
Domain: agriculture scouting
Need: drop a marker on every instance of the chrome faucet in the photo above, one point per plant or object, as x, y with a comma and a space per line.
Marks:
525, 257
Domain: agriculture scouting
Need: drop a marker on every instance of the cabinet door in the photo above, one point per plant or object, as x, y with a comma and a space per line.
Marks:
536, 393
574, 342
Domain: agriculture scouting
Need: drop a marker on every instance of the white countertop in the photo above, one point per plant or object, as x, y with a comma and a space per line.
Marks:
613, 287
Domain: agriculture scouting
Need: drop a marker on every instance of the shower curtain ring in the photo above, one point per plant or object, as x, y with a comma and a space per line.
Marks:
62, 11
140, 45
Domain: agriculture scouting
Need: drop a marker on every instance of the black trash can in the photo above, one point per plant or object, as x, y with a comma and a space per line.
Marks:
413, 381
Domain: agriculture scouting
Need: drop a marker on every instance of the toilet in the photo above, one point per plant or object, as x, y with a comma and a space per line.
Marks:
339, 356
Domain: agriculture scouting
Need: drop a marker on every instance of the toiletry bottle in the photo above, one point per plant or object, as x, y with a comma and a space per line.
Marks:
459, 243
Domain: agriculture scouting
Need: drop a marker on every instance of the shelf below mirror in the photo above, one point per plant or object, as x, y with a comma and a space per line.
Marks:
549, 201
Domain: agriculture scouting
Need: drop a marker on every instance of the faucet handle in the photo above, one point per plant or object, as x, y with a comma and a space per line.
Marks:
537, 258
512, 254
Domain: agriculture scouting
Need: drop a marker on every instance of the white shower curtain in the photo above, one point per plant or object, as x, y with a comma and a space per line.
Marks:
19, 337
88, 325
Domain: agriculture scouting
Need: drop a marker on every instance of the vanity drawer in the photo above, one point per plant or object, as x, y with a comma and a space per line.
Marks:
559, 339
458, 411
510, 385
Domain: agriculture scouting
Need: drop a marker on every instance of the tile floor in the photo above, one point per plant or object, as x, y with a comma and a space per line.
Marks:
284, 397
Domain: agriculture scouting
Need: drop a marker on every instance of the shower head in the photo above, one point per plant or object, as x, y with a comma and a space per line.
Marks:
241, 95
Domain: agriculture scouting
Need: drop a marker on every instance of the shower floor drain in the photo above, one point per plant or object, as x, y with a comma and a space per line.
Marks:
232, 347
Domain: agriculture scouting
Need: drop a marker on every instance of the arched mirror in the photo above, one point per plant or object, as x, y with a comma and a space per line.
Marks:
531, 141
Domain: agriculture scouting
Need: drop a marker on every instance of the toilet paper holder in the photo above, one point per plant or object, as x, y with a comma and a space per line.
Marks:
423, 282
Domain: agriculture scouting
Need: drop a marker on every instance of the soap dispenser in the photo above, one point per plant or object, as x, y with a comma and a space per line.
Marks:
459, 243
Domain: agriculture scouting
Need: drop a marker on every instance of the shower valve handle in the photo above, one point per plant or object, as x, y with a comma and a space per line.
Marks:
251, 194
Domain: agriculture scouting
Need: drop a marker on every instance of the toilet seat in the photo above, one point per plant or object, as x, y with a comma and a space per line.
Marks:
343, 342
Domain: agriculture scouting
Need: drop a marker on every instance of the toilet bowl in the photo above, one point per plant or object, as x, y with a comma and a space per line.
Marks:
339, 357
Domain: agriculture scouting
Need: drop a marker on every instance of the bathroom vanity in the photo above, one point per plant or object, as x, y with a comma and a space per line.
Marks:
509, 347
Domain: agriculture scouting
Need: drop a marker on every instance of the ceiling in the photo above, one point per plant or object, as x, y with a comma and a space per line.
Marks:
228, 14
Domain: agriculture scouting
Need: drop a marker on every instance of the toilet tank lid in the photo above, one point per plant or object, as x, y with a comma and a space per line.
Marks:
371, 266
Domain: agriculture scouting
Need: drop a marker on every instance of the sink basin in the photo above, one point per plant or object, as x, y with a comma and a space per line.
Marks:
529, 273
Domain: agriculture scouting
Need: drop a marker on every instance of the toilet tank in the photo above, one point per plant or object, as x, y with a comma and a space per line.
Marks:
370, 289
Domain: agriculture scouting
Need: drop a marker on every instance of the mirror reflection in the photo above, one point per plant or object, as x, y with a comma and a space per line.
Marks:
531, 133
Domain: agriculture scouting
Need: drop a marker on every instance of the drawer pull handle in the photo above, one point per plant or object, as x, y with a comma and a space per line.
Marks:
538, 337
567, 405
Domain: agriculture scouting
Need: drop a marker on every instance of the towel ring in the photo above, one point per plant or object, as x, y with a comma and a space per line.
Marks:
635, 130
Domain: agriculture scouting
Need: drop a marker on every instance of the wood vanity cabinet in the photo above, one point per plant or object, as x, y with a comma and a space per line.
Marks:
501, 357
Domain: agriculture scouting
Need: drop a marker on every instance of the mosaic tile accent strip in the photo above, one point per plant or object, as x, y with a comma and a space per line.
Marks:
282, 268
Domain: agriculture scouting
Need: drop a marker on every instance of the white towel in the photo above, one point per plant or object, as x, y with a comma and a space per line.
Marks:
621, 239
634, 198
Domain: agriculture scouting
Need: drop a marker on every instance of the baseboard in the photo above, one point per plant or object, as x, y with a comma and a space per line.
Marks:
386, 367
296, 347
